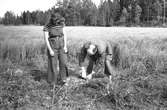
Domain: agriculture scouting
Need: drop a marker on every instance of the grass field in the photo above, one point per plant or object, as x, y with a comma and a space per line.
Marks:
140, 83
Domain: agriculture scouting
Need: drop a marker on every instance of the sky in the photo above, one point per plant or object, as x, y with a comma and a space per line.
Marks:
18, 6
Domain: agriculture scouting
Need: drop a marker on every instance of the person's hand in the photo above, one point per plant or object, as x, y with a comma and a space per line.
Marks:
52, 53
90, 75
83, 72
109, 57
65, 49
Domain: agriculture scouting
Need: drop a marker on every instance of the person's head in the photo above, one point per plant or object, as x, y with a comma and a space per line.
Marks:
56, 19
91, 49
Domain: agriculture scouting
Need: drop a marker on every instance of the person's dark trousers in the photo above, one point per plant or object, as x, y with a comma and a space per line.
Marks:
90, 66
62, 56
53, 75
106, 71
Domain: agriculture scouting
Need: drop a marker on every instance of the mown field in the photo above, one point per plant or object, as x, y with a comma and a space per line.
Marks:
139, 83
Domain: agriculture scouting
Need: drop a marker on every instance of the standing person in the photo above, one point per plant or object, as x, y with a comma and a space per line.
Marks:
56, 41
95, 52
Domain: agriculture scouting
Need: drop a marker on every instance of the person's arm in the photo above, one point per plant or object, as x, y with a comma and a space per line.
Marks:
108, 57
113, 57
109, 65
65, 40
109, 48
46, 37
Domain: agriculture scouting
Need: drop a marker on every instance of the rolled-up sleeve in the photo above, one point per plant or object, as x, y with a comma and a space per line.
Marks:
46, 27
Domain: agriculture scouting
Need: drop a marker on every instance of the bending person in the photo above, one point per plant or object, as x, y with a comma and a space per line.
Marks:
107, 52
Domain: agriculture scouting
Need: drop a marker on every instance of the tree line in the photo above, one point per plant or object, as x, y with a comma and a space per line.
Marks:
85, 12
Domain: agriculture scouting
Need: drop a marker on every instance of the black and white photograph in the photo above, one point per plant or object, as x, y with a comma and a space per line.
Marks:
83, 54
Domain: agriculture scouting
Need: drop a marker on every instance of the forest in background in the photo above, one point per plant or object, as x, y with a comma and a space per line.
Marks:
86, 13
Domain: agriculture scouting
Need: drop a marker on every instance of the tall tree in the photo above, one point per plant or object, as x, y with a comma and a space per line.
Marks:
88, 12
157, 6
18, 20
124, 16
101, 14
9, 18
116, 13
138, 11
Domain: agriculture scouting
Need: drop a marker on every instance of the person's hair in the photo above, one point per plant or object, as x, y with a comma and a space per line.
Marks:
56, 19
96, 57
